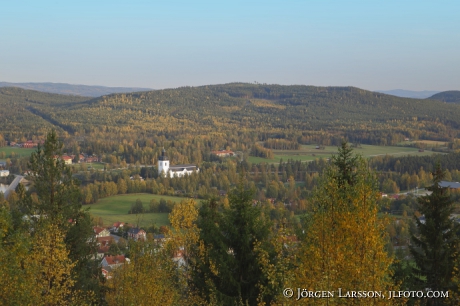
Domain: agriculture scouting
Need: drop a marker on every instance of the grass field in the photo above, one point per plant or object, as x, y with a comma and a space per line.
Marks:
21, 152
115, 209
309, 152
97, 166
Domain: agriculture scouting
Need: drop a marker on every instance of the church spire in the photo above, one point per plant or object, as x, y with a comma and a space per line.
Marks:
163, 155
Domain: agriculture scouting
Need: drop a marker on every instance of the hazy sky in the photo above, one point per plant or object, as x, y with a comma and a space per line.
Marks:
376, 45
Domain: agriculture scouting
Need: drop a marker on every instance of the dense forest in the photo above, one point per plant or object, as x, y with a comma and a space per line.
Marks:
304, 114
451, 96
291, 213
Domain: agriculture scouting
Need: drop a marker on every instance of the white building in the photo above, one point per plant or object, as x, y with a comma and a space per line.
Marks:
4, 172
177, 170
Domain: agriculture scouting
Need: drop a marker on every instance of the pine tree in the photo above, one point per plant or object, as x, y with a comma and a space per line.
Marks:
228, 270
435, 247
346, 164
59, 203
58, 192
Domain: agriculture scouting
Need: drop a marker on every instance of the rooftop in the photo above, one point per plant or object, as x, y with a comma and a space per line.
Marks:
453, 185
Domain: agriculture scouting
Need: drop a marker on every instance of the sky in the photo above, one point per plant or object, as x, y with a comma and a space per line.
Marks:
374, 45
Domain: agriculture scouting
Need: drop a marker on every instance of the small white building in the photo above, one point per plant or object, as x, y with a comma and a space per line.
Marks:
4, 173
177, 170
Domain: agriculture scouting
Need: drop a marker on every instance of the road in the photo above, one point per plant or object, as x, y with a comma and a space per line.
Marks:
13, 185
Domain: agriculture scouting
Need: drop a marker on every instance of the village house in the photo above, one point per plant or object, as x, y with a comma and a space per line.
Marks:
100, 232
92, 159
109, 263
4, 173
67, 159
103, 245
450, 185
117, 226
29, 144
223, 153
137, 234
179, 258
81, 158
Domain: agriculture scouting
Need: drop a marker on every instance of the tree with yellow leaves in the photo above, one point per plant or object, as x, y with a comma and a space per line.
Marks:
185, 246
148, 279
54, 282
344, 246
152, 277
15, 273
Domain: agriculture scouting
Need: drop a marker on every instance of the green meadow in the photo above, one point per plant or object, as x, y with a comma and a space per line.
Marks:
6, 152
87, 166
115, 209
309, 152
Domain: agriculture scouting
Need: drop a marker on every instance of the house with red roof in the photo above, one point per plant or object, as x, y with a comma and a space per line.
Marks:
67, 159
117, 226
223, 153
100, 232
103, 244
29, 144
109, 263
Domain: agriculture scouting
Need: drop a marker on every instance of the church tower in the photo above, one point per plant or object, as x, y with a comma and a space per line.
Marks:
163, 163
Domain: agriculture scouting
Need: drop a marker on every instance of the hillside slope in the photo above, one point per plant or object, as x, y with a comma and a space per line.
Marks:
71, 89
452, 96
409, 93
237, 108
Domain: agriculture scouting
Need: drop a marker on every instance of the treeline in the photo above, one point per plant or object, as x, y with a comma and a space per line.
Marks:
259, 151
281, 144
155, 206
410, 164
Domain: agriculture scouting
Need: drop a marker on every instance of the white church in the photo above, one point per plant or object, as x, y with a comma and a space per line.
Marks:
177, 170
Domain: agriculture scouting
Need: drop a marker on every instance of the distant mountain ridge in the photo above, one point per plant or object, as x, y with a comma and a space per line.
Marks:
409, 93
451, 96
303, 113
76, 90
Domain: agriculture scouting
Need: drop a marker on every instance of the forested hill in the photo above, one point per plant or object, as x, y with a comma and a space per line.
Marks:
452, 96
409, 93
71, 89
294, 112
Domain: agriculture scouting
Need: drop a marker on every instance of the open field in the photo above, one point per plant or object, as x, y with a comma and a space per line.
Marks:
115, 208
309, 152
21, 152
87, 166
428, 143
432, 143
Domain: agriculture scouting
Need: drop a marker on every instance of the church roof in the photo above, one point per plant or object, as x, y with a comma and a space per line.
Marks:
182, 167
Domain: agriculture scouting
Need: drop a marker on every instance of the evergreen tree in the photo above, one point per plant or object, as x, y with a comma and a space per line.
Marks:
59, 203
346, 164
57, 190
227, 270
435, 248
